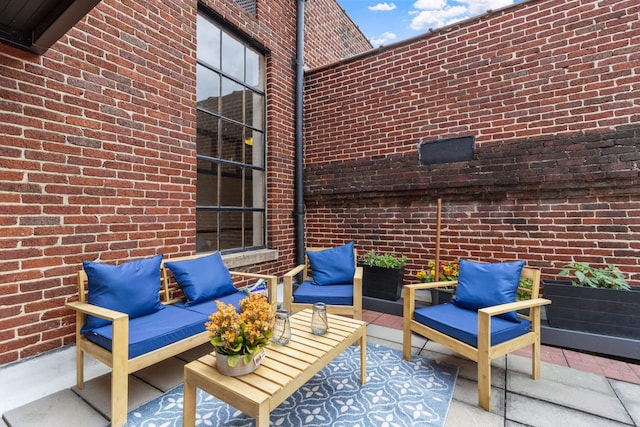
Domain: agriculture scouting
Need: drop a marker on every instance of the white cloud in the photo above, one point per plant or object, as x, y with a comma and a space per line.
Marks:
385, 7
429, 4
438, 17
438, 13
477, 7
383, 38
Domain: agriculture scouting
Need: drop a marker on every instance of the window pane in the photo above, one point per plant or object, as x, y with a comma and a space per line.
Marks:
231, 225
208, 42
206, 231
231, 186
254, 149
232, 100
233, 54
254, 109
254, 229
254, 69
254, 189
207, 186
207, 136
207, 89
232, 141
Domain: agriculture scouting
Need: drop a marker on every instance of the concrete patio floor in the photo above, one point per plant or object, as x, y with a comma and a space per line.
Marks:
40, 392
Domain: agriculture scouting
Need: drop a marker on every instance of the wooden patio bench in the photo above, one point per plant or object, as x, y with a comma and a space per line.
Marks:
123, 354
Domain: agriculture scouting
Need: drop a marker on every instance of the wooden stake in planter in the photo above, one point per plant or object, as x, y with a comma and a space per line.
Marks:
436, 276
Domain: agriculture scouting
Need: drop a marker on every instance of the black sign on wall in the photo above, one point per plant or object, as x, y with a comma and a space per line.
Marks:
449, 150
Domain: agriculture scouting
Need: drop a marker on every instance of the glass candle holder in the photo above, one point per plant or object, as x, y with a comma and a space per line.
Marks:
319, 322
282, 329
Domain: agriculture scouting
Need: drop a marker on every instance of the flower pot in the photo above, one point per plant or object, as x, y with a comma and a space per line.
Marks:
596, 310
242, 368
441, 296
383, 283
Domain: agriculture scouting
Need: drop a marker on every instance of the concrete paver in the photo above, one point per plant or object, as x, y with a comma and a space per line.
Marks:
61, 409
629, 395
540, 413
562, 396
97, 393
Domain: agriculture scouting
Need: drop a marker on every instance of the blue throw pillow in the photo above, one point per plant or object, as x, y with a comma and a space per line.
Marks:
132, 287
202, 279
334, 266
484, 285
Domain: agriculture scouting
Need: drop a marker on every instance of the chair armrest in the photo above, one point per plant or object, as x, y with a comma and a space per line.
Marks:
512, 306
431, 285
287, 296
272, 282
357, 283
358, 274
295, 271
409, 295
94, 310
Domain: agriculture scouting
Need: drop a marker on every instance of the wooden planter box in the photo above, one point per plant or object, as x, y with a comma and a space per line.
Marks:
383, 283
599, 311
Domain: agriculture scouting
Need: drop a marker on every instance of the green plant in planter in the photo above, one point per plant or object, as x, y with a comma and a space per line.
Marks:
373, 259
584, 275
524, 289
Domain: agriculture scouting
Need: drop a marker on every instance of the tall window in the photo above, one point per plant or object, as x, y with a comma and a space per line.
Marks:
231, 186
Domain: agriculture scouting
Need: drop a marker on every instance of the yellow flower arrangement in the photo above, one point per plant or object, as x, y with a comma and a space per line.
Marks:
243, 334
448, 271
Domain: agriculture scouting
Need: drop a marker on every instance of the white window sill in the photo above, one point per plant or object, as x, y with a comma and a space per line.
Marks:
243, 259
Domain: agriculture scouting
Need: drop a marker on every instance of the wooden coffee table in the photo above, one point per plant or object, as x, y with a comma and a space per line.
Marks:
283, 370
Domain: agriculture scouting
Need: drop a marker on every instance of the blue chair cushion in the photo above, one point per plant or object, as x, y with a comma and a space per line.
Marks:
309, 293
484, 285
335, 266
153, 331
462, 324
209, 307
202, 279
132, 288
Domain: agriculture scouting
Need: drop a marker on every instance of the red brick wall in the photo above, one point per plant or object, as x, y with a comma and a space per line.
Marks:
549, 90
330, 35
97, 153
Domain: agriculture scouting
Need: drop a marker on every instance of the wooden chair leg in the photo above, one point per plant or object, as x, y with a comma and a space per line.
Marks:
535, 347
79, 366
484, 362
484, 383
406, 343
80, 319
535, 360
407, 315
119, 372
119, 397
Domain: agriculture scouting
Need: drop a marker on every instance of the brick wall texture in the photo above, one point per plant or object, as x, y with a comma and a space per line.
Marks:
97, 143
97, 149
548, 88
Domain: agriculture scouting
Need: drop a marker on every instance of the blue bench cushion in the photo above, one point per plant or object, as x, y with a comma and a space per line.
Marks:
335, 266
483, 285
309, 293
132, 288
462, 324
209, 307
202, 279
153, 331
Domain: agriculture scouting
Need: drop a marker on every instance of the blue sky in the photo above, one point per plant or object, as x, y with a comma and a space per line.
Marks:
385, 22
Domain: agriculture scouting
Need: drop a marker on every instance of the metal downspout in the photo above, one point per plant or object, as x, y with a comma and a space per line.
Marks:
299, 149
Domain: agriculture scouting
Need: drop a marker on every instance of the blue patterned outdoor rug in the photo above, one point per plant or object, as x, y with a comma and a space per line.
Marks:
397, 394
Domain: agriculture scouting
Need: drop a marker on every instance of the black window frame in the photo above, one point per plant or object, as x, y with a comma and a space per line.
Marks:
242, 166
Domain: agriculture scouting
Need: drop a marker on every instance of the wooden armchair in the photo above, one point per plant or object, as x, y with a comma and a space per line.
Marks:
480, 335
345, 298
